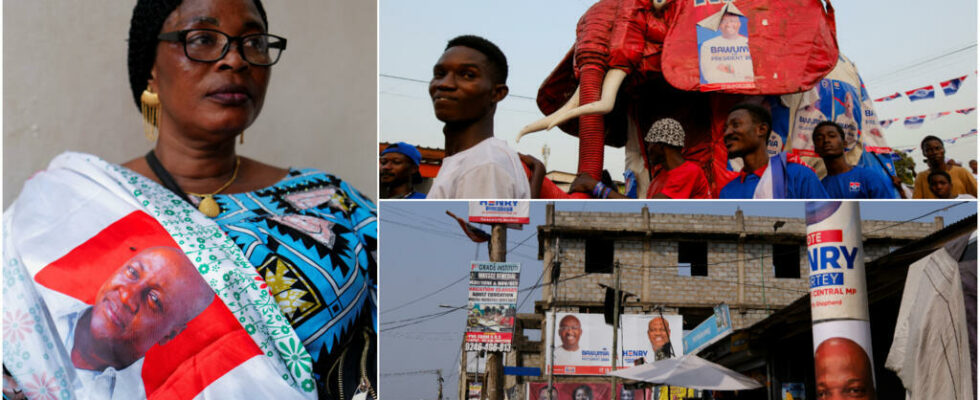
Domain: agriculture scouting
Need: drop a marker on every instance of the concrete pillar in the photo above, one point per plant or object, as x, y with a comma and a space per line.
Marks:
645, 293
740, 254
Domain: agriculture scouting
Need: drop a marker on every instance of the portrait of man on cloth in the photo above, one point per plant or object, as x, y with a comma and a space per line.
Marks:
147, 301
120, 311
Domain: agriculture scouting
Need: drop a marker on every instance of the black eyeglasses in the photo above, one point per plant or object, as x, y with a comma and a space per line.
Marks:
208, 45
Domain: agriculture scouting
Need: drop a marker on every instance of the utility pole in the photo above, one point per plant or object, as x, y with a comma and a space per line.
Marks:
494, 386
615, 349
439, 375
555, 274
463, 373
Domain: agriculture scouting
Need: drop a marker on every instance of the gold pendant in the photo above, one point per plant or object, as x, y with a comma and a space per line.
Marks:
209, 207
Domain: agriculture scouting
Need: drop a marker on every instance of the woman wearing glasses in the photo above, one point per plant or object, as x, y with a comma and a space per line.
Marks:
290, 253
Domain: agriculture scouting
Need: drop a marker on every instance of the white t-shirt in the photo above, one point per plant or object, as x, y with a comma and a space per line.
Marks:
489, 170
108, 384
565, 357
726, 60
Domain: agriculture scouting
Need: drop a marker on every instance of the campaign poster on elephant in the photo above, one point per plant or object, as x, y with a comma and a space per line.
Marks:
847, 112
583, 343
724, 59
813, 109
871, 135
492, 305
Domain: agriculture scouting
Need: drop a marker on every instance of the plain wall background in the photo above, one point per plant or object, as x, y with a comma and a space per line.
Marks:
66, 87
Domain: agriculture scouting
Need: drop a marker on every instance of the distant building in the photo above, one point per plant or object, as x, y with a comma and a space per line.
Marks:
684, 264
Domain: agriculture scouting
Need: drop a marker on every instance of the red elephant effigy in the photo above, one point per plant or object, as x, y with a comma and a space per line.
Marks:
636, 61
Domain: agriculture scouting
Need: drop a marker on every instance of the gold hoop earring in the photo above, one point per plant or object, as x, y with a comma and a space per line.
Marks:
150, 107
241, 139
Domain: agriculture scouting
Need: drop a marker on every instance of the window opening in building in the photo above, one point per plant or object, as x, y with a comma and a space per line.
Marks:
598, 256
693, 257
786, 260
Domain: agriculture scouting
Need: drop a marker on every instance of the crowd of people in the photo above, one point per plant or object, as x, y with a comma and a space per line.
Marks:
470, 78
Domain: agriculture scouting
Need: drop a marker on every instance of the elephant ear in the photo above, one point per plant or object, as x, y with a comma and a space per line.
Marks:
791, 45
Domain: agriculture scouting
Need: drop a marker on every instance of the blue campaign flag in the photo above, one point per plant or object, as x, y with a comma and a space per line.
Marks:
889, 97
951, 86
926, 92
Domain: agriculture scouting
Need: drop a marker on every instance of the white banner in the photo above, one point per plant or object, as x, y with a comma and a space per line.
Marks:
500, 212
836, 259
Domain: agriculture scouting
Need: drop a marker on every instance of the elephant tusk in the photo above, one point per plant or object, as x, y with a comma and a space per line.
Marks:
545, 123
607, 100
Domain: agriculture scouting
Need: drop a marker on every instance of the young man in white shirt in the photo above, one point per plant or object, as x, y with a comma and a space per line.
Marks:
467, 83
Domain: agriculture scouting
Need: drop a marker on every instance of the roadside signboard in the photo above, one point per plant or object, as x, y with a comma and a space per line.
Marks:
500, 212
492, 305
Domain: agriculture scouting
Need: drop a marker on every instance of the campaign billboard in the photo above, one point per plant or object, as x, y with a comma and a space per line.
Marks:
583, 343
492, 305
500, 212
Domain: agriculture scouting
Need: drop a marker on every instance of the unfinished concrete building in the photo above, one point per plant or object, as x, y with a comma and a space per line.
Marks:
684, 264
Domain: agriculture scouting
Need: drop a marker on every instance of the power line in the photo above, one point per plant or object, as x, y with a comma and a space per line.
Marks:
428, 295
418, 320
928, 60
923, 215
405, 78
540, 277
522, 242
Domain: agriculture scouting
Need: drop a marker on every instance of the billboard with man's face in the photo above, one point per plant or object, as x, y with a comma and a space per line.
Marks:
583, 342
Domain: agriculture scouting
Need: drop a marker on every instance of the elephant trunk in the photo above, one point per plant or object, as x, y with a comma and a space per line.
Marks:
592, 130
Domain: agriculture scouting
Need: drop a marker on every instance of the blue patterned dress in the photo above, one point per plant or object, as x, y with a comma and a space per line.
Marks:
313, 238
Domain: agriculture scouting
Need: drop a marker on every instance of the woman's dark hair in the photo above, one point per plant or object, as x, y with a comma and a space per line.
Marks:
144, 27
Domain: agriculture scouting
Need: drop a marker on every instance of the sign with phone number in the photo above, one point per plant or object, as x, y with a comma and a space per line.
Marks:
492, 347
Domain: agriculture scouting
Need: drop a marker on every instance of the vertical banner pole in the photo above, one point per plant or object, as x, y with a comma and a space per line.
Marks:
839, 299
495, 359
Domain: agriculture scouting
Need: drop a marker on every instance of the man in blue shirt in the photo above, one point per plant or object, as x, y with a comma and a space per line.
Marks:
844, 181
399, 170
747, 131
